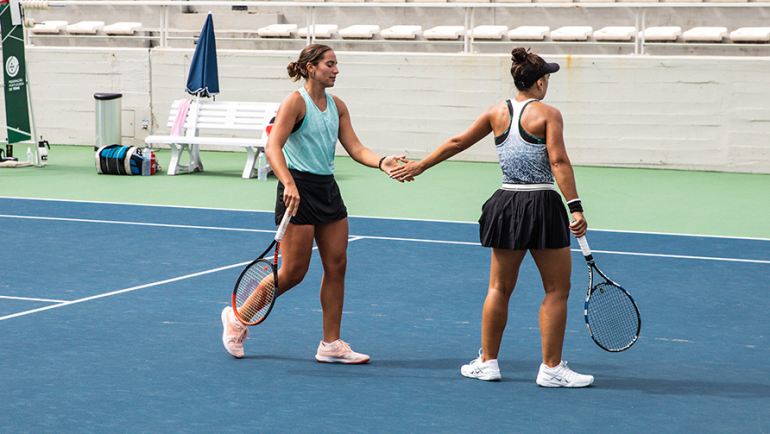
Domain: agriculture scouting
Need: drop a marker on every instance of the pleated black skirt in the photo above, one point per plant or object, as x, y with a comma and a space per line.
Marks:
523, 220
320, 200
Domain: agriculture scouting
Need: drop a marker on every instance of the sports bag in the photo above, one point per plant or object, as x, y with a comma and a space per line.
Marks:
119, 160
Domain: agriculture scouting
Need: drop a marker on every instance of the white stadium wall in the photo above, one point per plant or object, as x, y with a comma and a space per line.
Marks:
691, 113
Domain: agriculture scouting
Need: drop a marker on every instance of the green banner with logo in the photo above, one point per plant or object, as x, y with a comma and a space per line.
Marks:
14, 74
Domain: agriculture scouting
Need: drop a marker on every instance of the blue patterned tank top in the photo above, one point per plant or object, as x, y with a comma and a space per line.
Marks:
523, 158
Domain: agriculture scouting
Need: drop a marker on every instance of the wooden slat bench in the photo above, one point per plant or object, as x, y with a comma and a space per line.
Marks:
213, 123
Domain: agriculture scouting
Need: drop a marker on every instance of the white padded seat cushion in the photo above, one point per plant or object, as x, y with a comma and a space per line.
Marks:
363, 31
444, 32
49, 27
277, 30
572, 33
122, 28
751, 34
401, 32
705, 34
623, 33
321, 30
529, 33
85, 27
666, 34
489, 32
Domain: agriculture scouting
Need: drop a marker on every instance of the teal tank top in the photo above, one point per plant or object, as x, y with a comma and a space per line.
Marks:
311, 148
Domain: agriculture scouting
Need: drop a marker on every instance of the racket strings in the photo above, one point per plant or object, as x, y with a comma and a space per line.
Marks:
612, 317
255, 292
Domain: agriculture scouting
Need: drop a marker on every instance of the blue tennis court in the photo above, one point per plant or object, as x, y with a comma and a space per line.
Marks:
109, 317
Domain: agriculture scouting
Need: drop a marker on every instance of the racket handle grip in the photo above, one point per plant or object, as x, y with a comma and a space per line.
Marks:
584, 246
284, 224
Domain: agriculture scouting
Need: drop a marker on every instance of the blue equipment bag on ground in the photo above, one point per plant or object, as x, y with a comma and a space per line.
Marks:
119, 160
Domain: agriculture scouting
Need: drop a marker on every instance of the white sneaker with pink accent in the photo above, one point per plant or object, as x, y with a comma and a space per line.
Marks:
339, 352
235, 333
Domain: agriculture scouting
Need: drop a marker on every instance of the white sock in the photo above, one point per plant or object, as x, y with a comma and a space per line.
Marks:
329, 345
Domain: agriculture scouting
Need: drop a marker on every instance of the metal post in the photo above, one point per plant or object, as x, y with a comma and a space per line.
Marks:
637, 41
470, 43
313, 31
641, 47
466, 41
165, 27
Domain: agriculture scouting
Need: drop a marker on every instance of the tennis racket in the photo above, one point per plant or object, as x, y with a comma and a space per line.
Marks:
255, 291
612, 317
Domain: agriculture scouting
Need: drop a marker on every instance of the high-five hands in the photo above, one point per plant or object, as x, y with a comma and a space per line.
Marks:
405, 170
391, 164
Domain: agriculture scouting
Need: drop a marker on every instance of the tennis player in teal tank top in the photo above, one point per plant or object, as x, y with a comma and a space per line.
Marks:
300, 149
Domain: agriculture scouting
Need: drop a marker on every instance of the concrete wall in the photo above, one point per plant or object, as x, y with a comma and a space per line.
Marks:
693, 113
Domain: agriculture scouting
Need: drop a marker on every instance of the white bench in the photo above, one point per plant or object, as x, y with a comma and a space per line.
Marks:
250, 119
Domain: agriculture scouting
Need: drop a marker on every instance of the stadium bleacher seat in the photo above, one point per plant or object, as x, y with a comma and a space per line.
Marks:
529, 33
488, 32
277, 30
401, 32
122, 28
572, 33
662, 34
359, 31
615, 33
444, 32
49, 27
85, 27
705, 34
321, 30
751, 34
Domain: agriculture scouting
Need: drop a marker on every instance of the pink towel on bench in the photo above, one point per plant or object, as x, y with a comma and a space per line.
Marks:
181, 117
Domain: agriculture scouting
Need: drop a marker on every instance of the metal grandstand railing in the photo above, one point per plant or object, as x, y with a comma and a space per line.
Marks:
164, 33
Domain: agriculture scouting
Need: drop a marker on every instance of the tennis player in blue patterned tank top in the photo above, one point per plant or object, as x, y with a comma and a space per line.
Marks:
525, 215
300, 149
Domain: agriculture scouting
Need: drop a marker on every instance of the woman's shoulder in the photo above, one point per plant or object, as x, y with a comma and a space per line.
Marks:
544, 109
338, 103
293, 102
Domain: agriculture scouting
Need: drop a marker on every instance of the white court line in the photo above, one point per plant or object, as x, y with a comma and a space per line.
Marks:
45, 300
357, 237
660, 255
115, 222
32, 199
107, 294
61, 303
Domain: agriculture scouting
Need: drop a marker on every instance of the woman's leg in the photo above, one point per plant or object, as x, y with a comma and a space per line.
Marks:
332, 242
296, 251
555, 266
502, 280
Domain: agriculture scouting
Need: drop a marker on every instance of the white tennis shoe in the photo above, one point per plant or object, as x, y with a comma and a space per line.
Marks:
487, 371
339, 352
562, 376
235, 333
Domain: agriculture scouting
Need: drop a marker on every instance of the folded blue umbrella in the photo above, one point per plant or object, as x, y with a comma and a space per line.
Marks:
203, 79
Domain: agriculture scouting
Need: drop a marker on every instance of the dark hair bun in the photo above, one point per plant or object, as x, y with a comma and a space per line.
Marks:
519, 55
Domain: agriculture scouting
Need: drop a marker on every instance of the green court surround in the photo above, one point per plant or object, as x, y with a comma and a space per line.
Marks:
647, 200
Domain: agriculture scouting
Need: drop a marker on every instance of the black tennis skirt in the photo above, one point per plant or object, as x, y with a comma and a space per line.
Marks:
523, 220
320, 200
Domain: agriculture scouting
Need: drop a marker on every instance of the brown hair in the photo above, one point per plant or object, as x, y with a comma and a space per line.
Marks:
525, 65
312, 54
